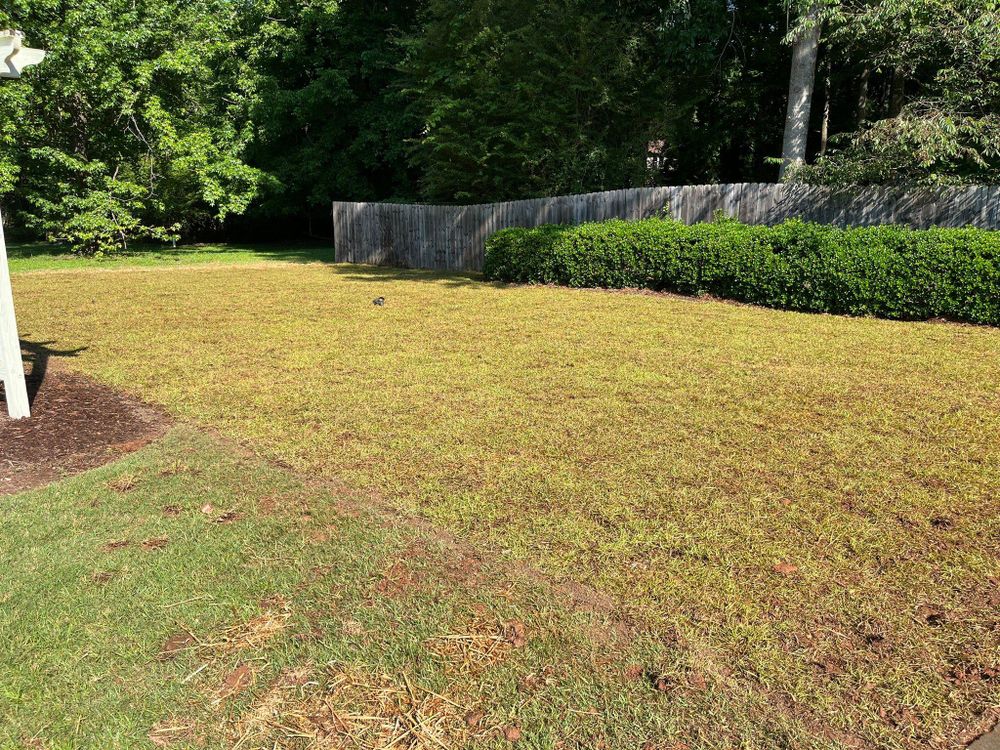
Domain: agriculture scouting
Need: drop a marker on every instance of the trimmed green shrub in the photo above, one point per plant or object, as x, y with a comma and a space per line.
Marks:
887, 272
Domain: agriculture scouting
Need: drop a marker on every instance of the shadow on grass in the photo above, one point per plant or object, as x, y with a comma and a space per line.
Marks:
42, 256
35, 250
383, 274
288, 252
292, 253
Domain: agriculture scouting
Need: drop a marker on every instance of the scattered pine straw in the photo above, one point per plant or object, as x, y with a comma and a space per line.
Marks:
482, 642
256, 632
352, 708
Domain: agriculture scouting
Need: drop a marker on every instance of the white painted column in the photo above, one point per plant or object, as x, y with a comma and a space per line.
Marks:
11, 365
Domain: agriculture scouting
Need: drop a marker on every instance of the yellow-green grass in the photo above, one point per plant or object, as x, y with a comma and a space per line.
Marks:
668, 452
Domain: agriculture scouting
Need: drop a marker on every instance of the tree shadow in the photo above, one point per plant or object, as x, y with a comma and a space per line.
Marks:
290, 252
37, 355
383, 274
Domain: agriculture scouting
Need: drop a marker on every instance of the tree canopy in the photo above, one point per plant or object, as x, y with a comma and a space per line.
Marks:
131, 127
178, 118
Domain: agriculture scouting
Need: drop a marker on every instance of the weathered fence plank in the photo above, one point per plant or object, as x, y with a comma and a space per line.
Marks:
454, 237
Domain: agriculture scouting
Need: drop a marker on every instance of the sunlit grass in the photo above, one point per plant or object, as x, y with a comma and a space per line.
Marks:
669, 452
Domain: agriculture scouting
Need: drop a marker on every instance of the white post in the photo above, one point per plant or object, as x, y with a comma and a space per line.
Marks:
14, 58
11, 365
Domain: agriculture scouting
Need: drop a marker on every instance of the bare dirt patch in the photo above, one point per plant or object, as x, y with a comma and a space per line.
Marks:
399, 580
175, 645
230, 516
240, 679
76, 425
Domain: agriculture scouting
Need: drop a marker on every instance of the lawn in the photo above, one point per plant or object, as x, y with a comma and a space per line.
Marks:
163, 602
792, 517
42, 256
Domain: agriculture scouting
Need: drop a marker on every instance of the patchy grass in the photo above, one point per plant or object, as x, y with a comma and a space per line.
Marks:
807, 503
276, 629
46, 257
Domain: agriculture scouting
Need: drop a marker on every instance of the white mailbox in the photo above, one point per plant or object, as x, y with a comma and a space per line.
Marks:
14, 57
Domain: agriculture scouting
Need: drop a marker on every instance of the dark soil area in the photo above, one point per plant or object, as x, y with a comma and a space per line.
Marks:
76, 424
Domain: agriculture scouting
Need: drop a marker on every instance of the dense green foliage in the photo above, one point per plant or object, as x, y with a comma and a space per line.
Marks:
170, 118
942, 62
330, 118
888, 272
531, 97
127, 130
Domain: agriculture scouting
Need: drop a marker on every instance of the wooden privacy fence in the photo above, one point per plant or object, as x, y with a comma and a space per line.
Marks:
454, 237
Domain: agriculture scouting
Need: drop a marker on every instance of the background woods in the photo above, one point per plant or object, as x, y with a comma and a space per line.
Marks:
183, 119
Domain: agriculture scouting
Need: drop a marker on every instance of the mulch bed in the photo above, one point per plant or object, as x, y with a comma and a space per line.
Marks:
76, 424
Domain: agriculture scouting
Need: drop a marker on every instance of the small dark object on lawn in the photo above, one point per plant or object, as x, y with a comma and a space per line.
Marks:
380, 302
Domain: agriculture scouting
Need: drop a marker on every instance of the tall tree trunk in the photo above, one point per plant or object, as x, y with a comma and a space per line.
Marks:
863, 96
801, 82
824, 133
897, 94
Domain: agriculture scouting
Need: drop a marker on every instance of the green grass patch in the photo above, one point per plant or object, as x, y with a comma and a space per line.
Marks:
125, 615
807, 503
47, 257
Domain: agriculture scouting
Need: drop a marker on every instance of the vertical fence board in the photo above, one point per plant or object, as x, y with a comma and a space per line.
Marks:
989, 214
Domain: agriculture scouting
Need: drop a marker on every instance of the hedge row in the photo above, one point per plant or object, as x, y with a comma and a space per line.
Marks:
888, 272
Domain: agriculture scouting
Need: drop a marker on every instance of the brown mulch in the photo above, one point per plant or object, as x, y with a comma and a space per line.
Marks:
76, 424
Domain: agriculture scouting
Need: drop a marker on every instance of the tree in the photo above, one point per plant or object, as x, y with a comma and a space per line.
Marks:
331, 119
128, 130
166, 118
519, 98
805, 52
929, 99
723, 101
